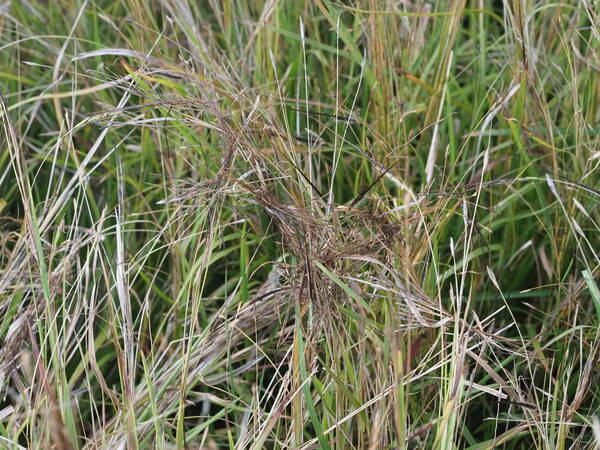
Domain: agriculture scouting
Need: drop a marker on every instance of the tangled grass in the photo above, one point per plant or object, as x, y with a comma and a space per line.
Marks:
299, 224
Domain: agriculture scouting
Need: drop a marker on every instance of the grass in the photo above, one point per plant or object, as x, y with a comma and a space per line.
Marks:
300, 224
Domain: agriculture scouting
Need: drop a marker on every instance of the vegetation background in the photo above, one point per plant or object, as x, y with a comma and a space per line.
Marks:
299, 224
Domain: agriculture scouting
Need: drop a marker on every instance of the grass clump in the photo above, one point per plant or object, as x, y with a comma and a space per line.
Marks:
288, 224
